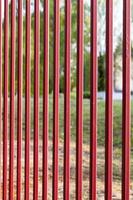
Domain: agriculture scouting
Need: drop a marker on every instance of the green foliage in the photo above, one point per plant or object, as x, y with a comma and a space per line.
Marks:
101, 73
87, 72
74, 26
86, 95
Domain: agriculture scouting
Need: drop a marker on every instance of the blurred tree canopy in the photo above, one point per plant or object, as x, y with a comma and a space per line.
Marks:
101, 56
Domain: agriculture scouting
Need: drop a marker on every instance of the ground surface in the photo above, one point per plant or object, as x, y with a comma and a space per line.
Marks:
117, 138
86, 156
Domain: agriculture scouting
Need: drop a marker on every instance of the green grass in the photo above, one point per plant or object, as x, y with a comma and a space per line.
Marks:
117, 120
117, 129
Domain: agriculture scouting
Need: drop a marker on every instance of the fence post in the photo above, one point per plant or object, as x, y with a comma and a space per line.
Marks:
93, 101
5, 114
67, 99
126, 121
79, 99
45, 99
19, 112
27, 102
0, 92
56, 97
36, 96
12, 105
109, 100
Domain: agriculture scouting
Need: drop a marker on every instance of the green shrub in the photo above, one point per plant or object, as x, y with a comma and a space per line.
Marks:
86, 95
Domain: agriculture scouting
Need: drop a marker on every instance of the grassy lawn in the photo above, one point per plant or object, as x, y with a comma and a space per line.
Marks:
117, 120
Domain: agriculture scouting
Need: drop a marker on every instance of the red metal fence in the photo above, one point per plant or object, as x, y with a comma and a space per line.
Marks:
10, 121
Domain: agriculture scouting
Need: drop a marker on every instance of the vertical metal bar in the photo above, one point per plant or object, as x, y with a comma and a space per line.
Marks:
5, 116
56, 98
19, 113
27, 107
0, 90
109, 100
36, 98
126, 121
67, 99
93, 101
12, 94
79, 121
45, 99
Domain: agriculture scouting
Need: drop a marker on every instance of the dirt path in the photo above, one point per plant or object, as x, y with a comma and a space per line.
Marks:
100, 169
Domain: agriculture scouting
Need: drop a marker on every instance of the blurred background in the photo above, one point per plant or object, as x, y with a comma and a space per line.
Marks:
117, 93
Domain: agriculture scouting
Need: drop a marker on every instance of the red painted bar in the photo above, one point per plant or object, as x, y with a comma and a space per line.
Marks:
12, 105
126, 121
67, 100
27, 106
79, 120
109, 100
93, 101
0, 93
56, 98
45, 99
36, 97
5, 114
19, 111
